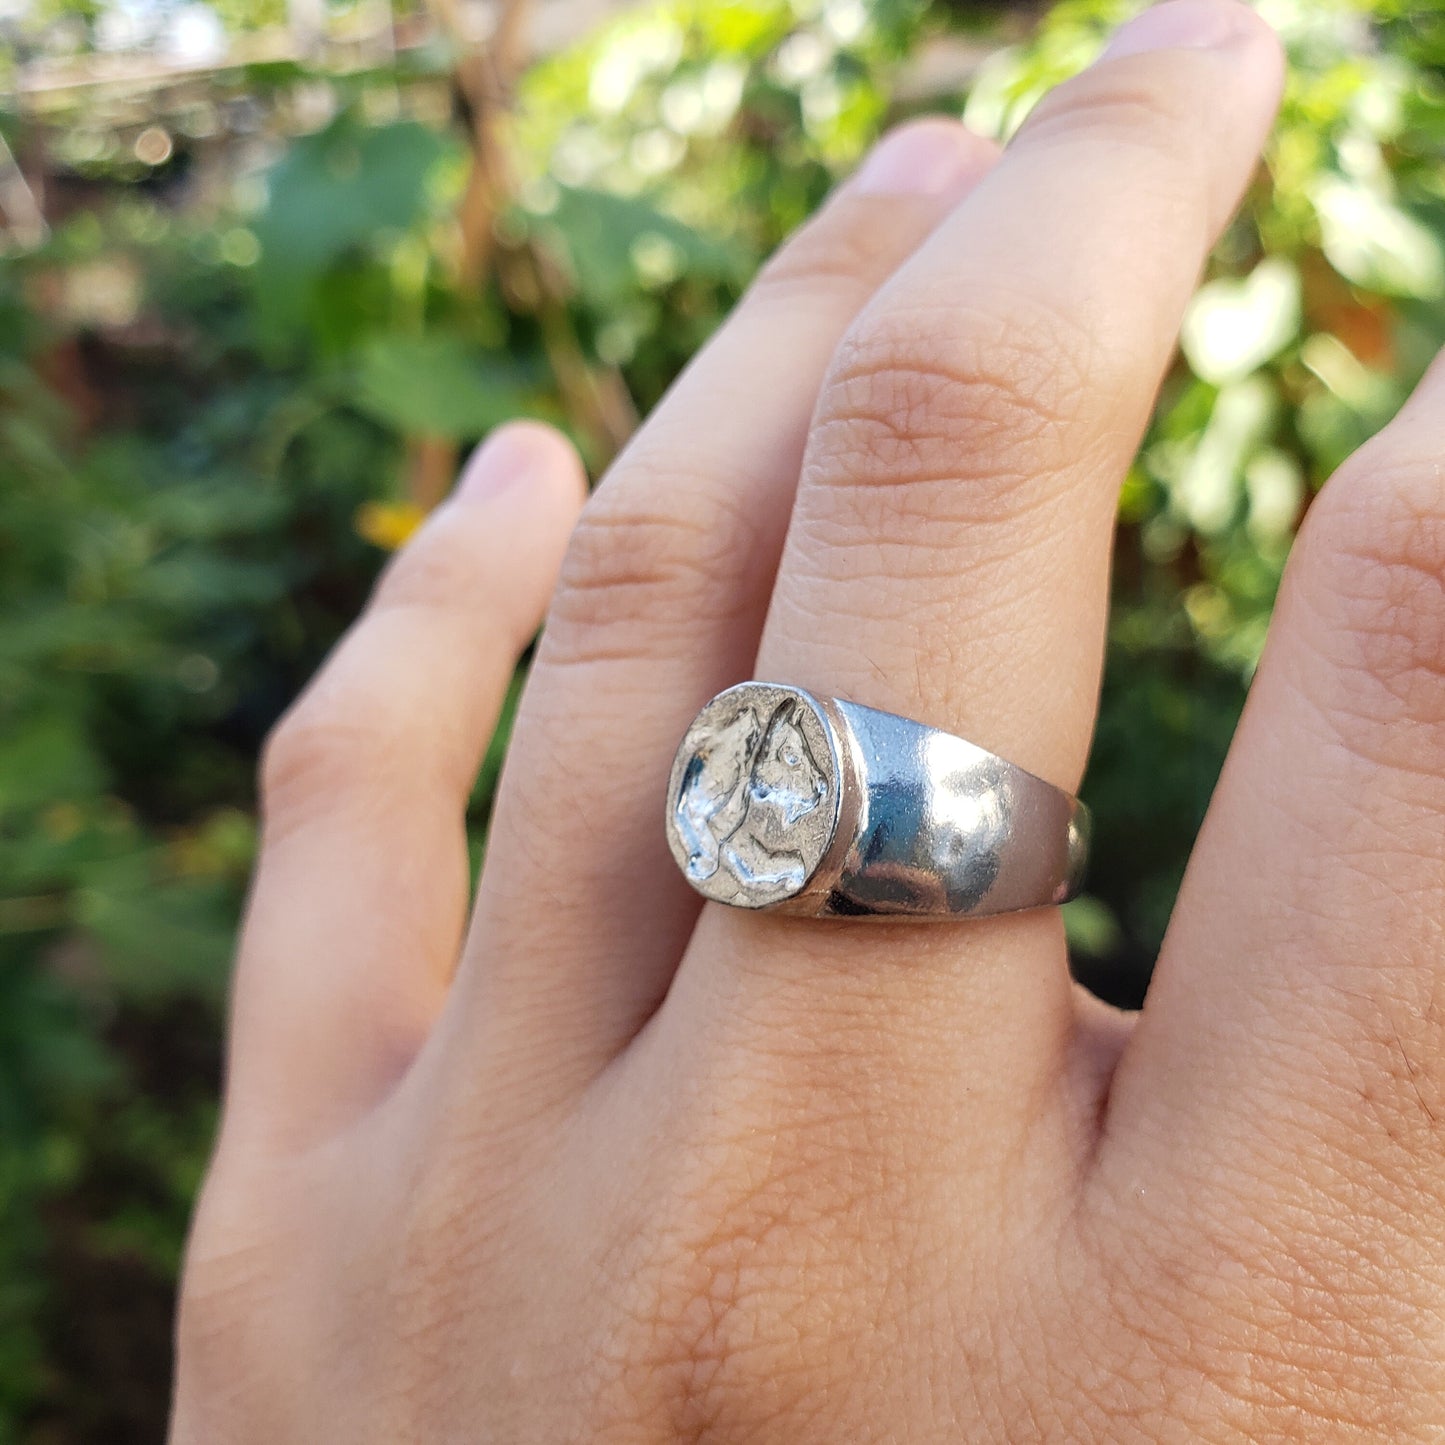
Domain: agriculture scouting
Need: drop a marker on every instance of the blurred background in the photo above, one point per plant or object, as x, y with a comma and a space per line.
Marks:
267, 269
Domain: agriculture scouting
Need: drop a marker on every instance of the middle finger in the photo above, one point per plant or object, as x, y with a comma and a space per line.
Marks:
580, 916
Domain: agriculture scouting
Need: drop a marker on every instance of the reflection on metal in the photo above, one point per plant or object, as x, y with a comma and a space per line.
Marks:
779, 799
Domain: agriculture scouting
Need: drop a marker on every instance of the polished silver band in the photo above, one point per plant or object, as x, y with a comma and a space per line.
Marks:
810, 805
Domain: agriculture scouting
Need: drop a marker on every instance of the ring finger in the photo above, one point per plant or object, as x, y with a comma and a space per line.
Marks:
949, 548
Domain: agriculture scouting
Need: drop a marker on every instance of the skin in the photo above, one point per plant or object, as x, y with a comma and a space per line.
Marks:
604, 1164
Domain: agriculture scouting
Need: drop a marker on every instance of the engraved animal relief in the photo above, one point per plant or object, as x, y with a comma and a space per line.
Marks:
741, 794
712, 799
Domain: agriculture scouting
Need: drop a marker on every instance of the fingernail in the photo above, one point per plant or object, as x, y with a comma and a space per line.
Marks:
922, 158
497, 465
1182, 25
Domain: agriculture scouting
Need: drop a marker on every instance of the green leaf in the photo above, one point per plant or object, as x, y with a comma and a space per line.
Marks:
158, 935
1369, 240
1234, 326
45, 760
336, 191
336, 188
1208, 491
1274, 484
613, 243
1091, 927
438, 386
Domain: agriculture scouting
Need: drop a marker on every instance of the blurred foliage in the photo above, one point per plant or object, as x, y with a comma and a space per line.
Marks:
1324, 302
217, 376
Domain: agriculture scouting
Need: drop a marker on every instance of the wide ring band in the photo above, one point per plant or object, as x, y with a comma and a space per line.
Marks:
811, 805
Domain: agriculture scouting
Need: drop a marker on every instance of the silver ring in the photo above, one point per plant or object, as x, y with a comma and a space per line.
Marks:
811, 805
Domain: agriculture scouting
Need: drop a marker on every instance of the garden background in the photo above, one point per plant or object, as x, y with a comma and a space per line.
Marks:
266, 272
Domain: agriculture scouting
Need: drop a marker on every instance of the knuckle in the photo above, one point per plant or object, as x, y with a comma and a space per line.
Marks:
839, 254
226, 1288
1149, 126
438, 570
454, 1221
919, 398
635, 569
213, 1300
1221, 1303
745, 1290
725, 1345
218, 1345
349, 745
448, 577
437, 1265
318, 753
1373, 552
1118, 105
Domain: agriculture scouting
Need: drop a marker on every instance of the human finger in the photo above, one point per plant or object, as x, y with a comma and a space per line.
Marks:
355, 918
581, 915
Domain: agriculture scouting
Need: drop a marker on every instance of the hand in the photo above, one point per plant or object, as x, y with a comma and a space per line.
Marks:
640, 1170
